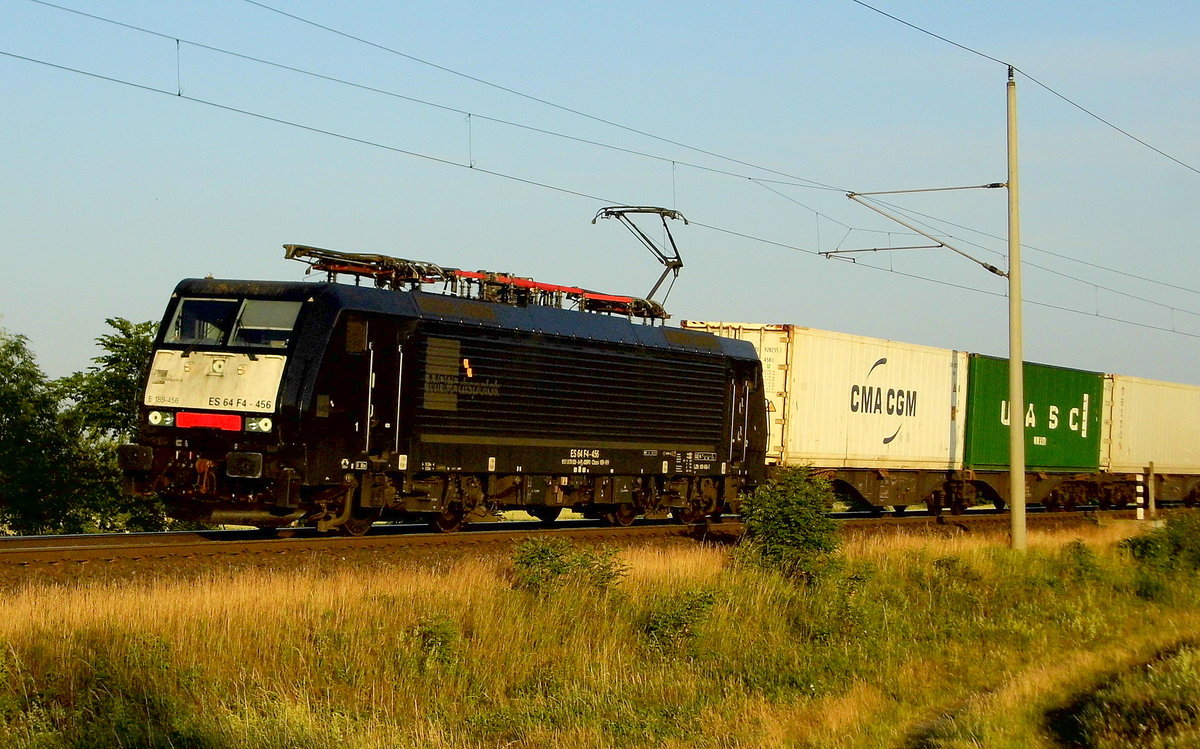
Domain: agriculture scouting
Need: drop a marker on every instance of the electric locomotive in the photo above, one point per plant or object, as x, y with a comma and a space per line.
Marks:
337, 405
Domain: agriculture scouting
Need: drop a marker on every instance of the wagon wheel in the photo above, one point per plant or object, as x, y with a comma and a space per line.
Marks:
449, 520
958, 501
547, 515
690, 515
935, 503
622, 515
359, 522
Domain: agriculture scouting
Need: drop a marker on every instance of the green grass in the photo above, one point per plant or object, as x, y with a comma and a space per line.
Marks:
1154, 705
903, 642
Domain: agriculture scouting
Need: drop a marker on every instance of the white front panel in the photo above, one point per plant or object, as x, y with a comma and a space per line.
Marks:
1151, 421
215, 381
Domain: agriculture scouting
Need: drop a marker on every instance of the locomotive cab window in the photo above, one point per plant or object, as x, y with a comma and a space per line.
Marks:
202, 321
266, 324
215, 322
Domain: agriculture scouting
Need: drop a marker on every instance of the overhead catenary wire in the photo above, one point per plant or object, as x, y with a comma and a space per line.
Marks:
1045, 86
301, 126
759, 180
1097, 286
912, 214
529, 97
795, 181
763, 184
1036, 303
1042, 250
536, 183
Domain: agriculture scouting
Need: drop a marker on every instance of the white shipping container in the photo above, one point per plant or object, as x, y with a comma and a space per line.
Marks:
845, 401
1150, 421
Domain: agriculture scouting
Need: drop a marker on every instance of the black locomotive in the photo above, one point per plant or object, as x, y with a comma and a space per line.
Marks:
336, 405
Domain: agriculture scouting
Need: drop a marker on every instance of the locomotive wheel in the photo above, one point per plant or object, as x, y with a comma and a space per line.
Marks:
547, 515
448, 521
358, 524
622, 515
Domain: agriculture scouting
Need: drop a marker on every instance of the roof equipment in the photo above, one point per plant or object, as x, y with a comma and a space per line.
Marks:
503, 288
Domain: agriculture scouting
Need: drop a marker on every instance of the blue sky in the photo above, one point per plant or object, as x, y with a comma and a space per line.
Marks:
112, 193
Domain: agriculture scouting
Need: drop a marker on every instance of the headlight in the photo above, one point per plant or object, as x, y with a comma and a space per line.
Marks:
259, 425
161, 418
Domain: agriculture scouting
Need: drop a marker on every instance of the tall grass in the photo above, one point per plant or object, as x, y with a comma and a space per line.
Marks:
907, 641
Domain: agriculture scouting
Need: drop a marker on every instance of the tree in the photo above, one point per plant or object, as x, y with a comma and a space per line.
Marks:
105, 397
58, 471
34, 450
99, 409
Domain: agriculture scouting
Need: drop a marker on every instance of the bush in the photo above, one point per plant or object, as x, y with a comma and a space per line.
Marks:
1172, 546
1157, 705
788, 528
1079, 562
541, 564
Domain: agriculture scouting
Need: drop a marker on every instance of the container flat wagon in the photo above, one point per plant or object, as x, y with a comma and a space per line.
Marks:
894, 424
883, 419
1062, 420
1148, 422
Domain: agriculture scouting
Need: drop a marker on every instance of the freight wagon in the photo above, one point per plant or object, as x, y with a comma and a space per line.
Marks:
898, 424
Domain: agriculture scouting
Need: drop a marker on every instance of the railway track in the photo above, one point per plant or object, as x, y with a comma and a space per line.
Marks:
164, 546
416, 541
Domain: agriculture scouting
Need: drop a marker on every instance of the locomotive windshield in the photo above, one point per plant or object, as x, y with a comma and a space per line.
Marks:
256, 323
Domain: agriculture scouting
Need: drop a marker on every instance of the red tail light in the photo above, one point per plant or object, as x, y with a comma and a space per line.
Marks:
228, 422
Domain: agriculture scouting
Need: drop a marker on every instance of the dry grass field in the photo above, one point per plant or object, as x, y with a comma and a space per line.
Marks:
905, 641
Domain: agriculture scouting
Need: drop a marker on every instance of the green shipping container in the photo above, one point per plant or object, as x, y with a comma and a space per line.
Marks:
1062, 421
